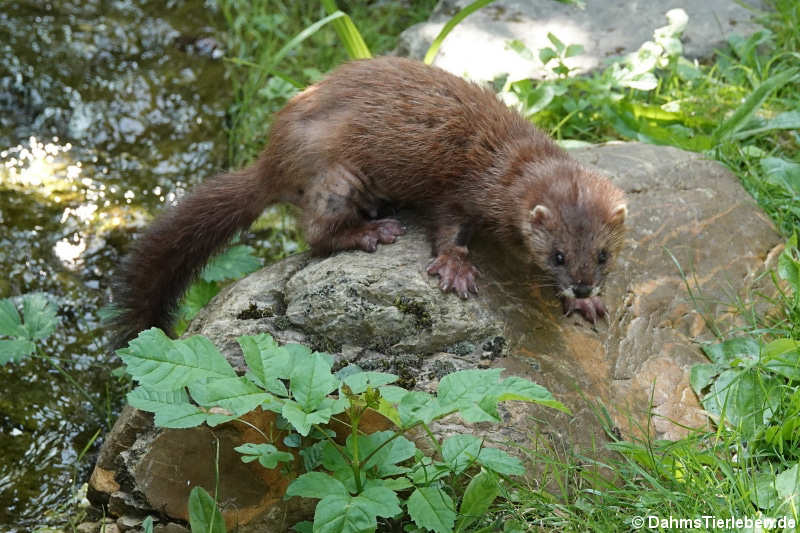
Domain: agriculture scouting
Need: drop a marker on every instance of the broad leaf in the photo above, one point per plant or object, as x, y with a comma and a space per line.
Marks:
204, 516
316, 485
702, 375
267, 455
731, 350
359, 382
727, 128
499, 461
461, 451
303, 421
479, 495
234, 263
235, 394
15, 350
155, 360
343, 514
386, 459
432, 508
268, 362
312, 381
39, 315
10, 321
172, 408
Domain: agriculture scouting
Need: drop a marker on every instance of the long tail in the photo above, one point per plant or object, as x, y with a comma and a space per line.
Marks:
169, 255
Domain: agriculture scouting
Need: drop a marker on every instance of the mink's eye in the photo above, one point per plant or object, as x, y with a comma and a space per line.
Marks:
602, 257
558, 258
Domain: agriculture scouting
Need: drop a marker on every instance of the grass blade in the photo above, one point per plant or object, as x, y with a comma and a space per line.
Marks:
300, 37
461, 15
729, 127
348, 33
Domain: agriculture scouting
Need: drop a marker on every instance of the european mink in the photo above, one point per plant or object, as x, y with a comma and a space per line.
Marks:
393, 131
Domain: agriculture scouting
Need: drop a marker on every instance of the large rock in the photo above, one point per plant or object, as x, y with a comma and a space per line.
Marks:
691, 226
478, 46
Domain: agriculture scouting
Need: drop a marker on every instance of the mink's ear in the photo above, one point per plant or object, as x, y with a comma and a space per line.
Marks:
618, 215
540, 214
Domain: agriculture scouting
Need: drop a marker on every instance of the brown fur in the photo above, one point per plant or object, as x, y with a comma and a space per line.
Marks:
390, 131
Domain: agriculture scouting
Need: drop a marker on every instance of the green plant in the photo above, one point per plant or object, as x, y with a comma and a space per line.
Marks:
236, 262
362, 478
25, 333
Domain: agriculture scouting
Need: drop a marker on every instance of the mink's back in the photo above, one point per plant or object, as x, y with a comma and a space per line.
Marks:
414, 130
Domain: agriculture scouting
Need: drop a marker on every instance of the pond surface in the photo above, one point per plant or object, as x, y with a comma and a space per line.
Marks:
107, 110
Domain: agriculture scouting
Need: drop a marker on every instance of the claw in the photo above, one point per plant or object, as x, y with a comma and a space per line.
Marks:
456, 273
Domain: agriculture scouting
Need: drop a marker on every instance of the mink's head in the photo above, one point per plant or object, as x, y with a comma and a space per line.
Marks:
575, 223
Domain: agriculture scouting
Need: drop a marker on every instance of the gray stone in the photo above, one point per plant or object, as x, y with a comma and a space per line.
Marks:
478, 46
382, 311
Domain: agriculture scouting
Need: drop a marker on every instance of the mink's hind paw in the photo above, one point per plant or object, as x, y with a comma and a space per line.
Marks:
383, 231
590, 308
455, 273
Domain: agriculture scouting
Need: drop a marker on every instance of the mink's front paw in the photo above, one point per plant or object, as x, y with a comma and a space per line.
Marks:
455, 272
590, 308
383, 231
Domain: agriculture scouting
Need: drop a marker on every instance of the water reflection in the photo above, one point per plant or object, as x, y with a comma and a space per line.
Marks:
107, 111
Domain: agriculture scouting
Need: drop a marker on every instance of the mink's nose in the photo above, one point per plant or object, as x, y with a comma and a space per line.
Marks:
582, 291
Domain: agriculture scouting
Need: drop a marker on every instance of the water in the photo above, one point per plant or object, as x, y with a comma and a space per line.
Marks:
107, 110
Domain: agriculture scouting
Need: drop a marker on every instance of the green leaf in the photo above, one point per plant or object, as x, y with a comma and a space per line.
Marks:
348, 33
782, 356
312, 381
234, 263
727, 129
380, 500
343, 514
237, 395
267, 455
546, 54
788, 120
789, 264
15, 350
417, 406
533, 99
316, 485
172, 408
476, 393
520, 48
430, 55
479, 495
39, 315
731, 350
147, 524
556, 42
461, 451
161, 363
359, 382
432, 508
10, 321
268, 362
304, 527
781, 172
386, 459
499, 461
303, 421
764, 494
393, 393
702, 375
574, 50
199, 294
787, 485
204, 516
520, 389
